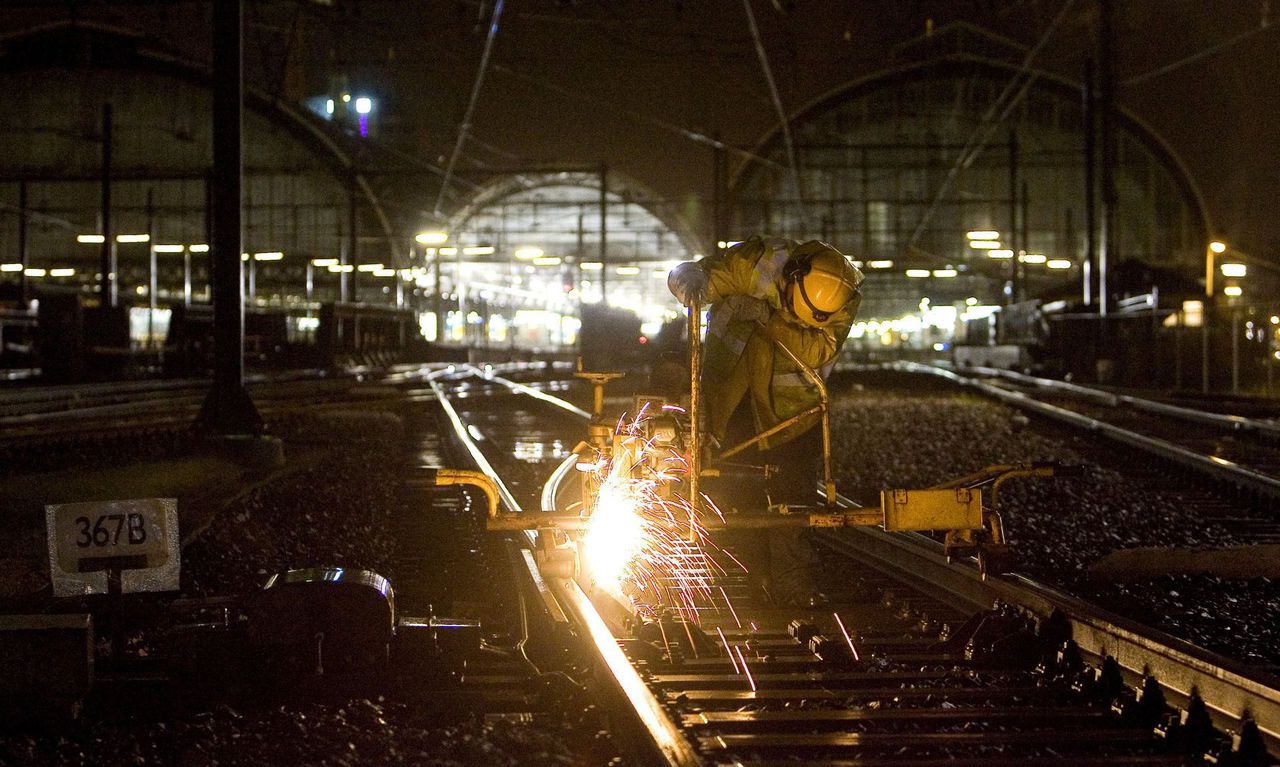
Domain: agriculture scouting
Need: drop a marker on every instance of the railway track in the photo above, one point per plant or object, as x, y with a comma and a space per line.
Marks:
916, 660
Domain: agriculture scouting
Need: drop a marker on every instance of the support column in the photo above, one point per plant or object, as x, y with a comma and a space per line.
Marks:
1106, 95
22, 242
1090, 269
153, 282
228, 410
604, 234
1015, 263
107, 261
353, 242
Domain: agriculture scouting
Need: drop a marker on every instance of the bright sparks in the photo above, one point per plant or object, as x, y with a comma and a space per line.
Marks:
644, 543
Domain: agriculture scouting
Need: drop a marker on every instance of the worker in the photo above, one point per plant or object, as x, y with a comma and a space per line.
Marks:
763, 292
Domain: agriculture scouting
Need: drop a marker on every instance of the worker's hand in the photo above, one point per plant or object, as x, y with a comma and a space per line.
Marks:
688, 283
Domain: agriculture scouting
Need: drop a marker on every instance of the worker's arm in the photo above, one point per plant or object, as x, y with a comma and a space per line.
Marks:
814, 347
732, 273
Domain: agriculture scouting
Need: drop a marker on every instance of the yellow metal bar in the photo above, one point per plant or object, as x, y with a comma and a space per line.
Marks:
738, 448
695, 410
793, 517
447, 477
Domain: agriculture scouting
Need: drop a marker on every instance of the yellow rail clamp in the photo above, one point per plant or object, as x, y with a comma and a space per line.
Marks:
947, 509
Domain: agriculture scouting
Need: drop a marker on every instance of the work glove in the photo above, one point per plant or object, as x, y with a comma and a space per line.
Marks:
688, 283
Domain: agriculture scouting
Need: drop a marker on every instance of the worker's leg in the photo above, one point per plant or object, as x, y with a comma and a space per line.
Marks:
790, 553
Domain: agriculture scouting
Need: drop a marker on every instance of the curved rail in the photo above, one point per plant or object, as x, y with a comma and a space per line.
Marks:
1213, 466
1224, 421
1232, 693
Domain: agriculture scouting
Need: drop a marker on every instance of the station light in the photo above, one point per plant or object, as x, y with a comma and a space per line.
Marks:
32, 272
432, 238
370, 267
1234, 270
324, 262
1058, 263
90, 239
168, 248
917, 272
479, 250
448, 251
546, 261
528, 253
10, 267
200, 247
384, 273
133, 238
984, 244
328, 106
1218, 247
983, 234
1234, 291
1032, 258
971, 301
627, 270
63, 272
342, 268
945, 272
346, 98
270, 255
1000, 253
590, 266
880, 264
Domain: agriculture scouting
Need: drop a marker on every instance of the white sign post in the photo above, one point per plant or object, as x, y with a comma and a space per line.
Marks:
113, 547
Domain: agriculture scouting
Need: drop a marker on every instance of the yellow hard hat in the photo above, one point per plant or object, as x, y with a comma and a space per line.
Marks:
820, 282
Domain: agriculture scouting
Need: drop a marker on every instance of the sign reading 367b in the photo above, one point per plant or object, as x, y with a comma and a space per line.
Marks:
113, 546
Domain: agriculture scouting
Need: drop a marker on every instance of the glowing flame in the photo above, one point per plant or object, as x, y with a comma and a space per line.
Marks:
643, 541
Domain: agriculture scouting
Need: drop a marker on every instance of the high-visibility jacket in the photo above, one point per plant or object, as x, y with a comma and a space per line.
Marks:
747, 316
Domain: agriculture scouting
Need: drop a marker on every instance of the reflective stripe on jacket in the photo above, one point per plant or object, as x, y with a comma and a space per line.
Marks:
747, 316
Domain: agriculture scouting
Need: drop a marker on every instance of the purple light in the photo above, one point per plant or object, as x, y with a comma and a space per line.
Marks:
364, 126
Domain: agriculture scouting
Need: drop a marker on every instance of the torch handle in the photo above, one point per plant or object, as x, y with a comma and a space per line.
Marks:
695, 408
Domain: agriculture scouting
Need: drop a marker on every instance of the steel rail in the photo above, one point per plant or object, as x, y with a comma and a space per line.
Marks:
1232, 692
1229, 689
1110, 399
532, 392
1217, 468
661, 735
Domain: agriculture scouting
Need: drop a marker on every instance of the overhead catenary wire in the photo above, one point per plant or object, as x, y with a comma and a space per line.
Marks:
465, 126
783, 121
1005, 103
1200, 54
616, 108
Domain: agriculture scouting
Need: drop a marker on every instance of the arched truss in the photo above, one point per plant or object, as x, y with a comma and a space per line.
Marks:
564, 196
761, 191
82, 44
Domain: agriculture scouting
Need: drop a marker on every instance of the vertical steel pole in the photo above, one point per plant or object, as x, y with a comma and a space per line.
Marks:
604, 234
1090, 185
228, 409
1106, 94
718, 195
186, 277
107, 261
22, 242
438, 300
152, 281
353, 242
1015, 283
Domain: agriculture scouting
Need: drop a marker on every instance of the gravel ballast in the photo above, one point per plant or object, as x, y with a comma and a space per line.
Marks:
897, 430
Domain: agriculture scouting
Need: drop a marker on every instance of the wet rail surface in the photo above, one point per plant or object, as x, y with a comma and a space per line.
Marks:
887, 672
